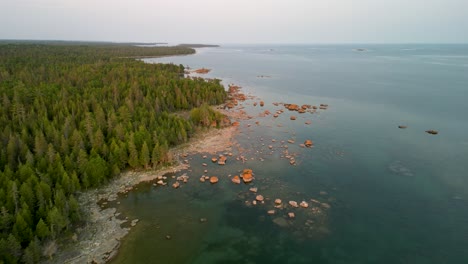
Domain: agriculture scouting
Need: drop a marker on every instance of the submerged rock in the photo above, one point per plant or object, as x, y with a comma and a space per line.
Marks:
291, 215
280, 221
432, 132
271, 212
402, 127
304, 204
253, 189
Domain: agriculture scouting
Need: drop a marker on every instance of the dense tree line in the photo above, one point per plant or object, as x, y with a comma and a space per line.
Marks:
72, 117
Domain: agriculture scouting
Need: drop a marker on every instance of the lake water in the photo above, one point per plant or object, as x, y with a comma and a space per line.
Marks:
394, 195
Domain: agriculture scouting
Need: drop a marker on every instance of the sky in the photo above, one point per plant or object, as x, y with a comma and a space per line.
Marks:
237, 21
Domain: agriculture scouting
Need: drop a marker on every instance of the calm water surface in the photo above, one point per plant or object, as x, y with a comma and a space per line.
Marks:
395, 195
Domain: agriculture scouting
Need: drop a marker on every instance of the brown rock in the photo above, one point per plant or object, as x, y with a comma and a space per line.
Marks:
259, 198
253, 189
247, 175
176, 185
214, 179
291, 215
202, 179
292, 107
308, 143
222, 160
293, 204
236, 179
271, 212
202, 71
214, 159
402, 127
432, 132
278, 201
292, 118
262, 103
304, 204
235, 123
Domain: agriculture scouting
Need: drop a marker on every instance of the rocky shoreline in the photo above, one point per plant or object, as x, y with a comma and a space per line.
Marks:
98, 240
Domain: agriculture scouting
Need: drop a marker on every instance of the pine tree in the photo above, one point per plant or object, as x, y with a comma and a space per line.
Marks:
144, 156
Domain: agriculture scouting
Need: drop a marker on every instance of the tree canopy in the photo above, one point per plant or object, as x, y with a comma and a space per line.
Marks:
74, 116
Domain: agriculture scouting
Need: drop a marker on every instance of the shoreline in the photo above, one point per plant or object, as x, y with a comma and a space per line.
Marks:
98, 240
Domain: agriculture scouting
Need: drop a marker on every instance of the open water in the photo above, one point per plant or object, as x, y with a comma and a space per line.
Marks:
393, 195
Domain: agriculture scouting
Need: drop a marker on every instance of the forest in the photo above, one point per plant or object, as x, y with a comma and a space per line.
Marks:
74, 116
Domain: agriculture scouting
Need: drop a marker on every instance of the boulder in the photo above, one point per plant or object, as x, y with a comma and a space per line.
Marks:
292, 118
259, 198
293, 204
432, 132
176, 185
292, 107
304, 204
214, 159
278, 201
291, 215
247, 175
253, 189
236, 179
222, 160
271, 212
262, 103
214, 179
308, 143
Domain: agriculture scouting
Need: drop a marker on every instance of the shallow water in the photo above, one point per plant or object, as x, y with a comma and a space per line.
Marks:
395, 195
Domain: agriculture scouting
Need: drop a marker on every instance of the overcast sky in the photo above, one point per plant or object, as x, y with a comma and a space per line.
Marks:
237, 21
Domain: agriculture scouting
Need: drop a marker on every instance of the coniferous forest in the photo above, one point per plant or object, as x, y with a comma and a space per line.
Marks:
74, 116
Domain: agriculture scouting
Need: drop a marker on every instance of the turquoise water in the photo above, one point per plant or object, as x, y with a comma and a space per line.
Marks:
395, 195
